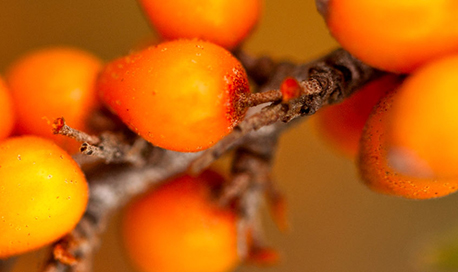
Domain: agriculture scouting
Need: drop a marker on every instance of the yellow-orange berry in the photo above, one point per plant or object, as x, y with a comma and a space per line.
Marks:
43, 194
395, 35
7, 116
424, 122
52, 83
224, 22
342, 124
182, 95
180, 227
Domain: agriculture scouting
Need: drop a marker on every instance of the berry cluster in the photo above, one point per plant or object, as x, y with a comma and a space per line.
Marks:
187, 93
408, 146
184, 94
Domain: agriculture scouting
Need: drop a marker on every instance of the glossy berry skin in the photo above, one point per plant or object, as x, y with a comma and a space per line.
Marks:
7, 116
43, 194
424, 125
182, 95
377, 162
180, 227
342, 124
395, 35
224, 22
50, 83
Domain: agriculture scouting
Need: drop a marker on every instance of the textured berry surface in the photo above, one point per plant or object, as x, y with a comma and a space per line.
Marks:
43, 194
376, 162
182, 95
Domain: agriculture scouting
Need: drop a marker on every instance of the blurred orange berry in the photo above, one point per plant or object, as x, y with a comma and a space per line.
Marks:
224, 22
383, 172
7, 116
180, 227
43, 194
51, 83
342, 124
183, 95
424, 125
395, 35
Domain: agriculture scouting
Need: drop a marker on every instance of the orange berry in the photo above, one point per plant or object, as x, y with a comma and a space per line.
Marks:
51, 83
43, 194
342, 124
378, 168
7, 116
395, 35
224, 22
179, 227
424, 125
181, 95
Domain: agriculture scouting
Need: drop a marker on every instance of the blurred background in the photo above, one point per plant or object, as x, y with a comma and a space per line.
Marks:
337, 224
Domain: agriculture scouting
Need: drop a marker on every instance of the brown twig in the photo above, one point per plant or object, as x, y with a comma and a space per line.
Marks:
255, 169
109, 146
255, 99
251, 170
113, 148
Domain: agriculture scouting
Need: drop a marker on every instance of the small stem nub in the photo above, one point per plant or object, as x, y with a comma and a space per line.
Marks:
290, 89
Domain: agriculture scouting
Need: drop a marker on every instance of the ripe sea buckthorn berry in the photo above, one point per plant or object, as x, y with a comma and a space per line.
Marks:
52, 83
43, 194
224, 22
7, 116
183, 95
395, 35
180, 227
424, 126
342, 124
382, 173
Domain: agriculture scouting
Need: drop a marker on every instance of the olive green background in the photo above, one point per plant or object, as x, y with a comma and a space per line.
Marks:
337, 223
